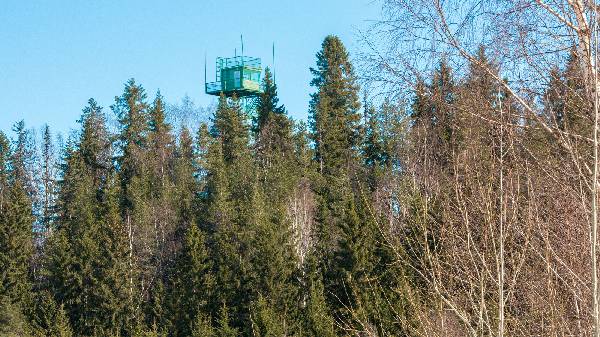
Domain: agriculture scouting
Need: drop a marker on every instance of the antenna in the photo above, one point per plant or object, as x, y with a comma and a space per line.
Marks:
205, 71
274, 77
242, 39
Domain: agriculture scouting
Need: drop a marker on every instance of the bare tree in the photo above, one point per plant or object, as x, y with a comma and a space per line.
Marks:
544, 195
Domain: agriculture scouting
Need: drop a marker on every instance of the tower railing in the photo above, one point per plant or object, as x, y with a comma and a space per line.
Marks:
237, 61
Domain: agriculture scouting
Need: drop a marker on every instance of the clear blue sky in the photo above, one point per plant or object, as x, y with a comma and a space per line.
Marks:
55, 54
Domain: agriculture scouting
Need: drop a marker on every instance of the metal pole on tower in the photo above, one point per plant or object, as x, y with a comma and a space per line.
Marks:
242, 39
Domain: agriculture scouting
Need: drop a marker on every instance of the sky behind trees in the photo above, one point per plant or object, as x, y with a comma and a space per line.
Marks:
55, 55
451, 190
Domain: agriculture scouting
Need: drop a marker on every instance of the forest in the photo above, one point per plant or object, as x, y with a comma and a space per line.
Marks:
448, 188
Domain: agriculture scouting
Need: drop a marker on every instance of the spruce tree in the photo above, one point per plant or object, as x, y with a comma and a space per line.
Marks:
48, 181
334, 108
13, 322
229, 192
334, 122
224, 328
16, 225
317, 319
164, 207
268, 107
274, 285
274, 143
191, 284
564, 103
184, 178
481, 93
266, 320
203, 327
132, 110
22, 158
86, 267
374, 152
445, 133
161, 146
336, 133
49, 318
133, 164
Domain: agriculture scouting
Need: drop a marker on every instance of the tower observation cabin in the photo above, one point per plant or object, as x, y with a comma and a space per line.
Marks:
239, 76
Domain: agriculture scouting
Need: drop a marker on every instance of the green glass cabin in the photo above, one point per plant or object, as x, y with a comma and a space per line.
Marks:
238, 76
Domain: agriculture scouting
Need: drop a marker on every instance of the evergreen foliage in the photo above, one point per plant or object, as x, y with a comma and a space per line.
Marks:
266, 226
16, 224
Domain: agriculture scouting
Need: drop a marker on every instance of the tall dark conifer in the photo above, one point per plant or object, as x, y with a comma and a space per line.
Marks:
336, 133
276, 291
229, 194
334, 108
86, 267
162, 202
48, 181
131, 109
16, 226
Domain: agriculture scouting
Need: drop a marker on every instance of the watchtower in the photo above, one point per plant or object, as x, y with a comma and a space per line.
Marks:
239, 76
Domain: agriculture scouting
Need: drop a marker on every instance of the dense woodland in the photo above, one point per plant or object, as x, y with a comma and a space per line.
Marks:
461, 208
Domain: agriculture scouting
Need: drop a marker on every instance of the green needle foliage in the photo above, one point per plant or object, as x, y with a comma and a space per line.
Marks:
348, 225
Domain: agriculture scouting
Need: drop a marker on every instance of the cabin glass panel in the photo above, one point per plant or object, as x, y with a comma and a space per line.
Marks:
238, 75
